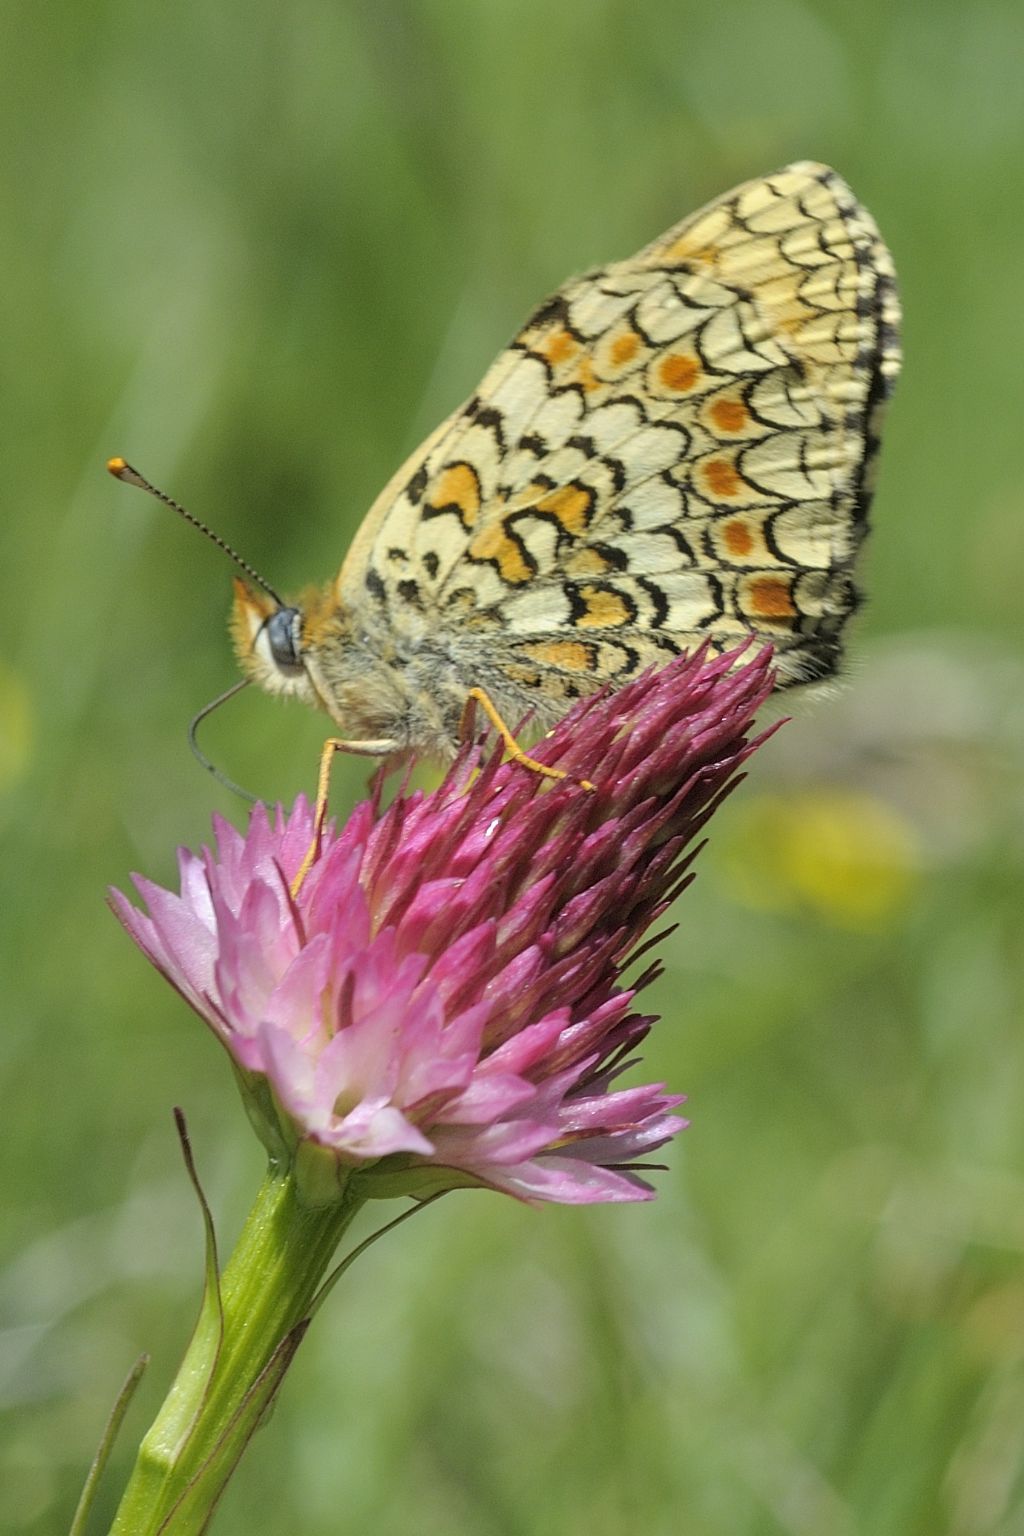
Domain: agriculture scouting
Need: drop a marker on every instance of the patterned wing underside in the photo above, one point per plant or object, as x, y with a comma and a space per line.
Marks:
675, 448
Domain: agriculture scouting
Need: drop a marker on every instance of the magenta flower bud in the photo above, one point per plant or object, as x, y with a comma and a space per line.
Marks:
442, 1001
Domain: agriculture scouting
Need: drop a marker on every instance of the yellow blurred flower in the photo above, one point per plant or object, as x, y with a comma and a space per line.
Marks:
847, 856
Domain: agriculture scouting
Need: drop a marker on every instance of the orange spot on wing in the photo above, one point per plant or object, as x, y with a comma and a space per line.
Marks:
722, 478
769, 598
570, 655
624, 348
604, 610
458, 487
678, 371
739, 540
729, 415
494, 544
571, 505
561, 344
587, 562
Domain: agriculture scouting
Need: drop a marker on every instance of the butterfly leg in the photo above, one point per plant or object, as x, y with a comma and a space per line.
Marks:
512, 747
333, 744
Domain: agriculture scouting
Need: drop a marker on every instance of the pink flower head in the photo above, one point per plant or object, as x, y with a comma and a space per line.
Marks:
443, 998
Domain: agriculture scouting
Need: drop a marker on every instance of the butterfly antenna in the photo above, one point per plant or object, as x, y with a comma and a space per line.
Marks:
201, 756
122, 470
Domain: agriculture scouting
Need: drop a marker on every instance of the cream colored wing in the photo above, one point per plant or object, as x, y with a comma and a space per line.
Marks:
675, 448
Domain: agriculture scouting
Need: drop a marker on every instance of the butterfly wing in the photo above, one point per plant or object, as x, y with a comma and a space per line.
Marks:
675, 448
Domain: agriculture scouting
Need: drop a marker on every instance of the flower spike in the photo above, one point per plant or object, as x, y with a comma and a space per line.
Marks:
441, 1000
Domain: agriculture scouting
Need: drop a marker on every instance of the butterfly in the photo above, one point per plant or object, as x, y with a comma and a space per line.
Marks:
675, 449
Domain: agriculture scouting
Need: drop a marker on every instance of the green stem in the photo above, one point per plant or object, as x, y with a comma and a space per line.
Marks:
243, 1344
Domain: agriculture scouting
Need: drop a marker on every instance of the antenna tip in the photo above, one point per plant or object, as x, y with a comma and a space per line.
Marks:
122, 470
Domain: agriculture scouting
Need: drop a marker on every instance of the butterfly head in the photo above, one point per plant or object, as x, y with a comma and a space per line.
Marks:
268, 638
308, 650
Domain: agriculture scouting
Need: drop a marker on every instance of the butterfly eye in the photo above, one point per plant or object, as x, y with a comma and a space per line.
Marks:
281, 635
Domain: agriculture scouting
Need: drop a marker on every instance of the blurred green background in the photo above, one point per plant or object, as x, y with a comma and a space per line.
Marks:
260, 250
